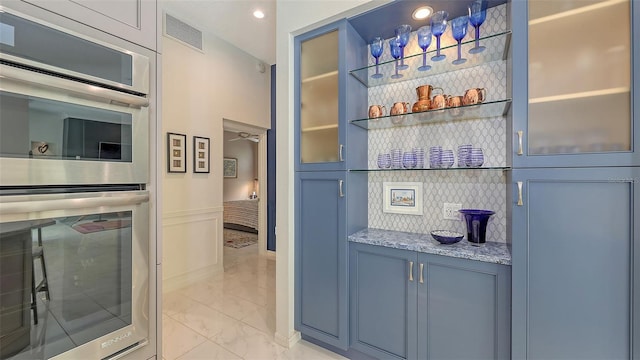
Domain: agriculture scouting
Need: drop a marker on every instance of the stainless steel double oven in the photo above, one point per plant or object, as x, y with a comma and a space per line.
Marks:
74, 205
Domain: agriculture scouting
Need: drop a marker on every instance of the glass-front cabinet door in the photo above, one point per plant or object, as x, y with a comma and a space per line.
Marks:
317, 102
580, 76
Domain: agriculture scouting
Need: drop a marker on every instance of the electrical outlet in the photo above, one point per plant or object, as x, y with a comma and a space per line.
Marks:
450, 211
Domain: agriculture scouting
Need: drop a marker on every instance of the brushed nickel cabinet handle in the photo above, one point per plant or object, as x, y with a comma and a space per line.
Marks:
340, 152
410, 270
520, 150
421, 273
520, 203
340, 185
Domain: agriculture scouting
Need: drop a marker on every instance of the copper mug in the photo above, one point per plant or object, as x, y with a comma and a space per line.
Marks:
399, 108
474, 96
376, 111
454, 101
439, 101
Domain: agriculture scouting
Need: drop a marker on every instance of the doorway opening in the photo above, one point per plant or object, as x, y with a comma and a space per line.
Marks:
244, 185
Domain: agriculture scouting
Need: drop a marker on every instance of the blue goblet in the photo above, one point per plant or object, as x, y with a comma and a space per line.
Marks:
438, 26
396, 52
424, 40
477, 15
402, 34
377, 46
459, 31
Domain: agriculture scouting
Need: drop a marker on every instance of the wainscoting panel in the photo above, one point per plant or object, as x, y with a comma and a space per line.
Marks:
192, 246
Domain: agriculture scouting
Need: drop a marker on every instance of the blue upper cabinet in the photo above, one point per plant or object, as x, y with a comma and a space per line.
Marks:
575, 67
323, 89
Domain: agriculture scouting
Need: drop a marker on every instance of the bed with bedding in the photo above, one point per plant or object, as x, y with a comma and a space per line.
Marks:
241, 215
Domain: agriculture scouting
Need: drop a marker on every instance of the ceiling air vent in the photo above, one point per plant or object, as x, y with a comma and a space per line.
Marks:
182, 32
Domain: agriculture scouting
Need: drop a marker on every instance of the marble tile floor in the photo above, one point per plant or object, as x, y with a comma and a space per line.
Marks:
230, 315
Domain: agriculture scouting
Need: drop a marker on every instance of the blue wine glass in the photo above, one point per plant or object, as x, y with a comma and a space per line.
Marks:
477, 15
459, 30
424, 40
377, 46
438, 26
396, 52
402, 34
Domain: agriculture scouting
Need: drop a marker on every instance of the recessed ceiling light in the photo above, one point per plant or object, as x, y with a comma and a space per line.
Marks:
258, 14
422, 12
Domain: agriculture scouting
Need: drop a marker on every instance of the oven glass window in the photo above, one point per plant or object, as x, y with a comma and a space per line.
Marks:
47, 129
32, 41
77, 269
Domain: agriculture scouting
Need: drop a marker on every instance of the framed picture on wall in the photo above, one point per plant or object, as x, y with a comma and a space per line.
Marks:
200, 154
176, 153
402, 198
230, 167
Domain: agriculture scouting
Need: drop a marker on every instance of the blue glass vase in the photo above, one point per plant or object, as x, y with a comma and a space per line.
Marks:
476, 221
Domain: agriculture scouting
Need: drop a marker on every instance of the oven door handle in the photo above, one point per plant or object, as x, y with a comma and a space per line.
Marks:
22, 207
74, 88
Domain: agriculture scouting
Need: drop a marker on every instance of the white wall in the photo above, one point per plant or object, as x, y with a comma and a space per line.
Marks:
199, 89
246, 152
294, 17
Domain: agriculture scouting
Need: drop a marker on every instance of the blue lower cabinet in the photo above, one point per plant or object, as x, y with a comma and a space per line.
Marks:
383, 301
408, 305
576, 271
464, 309
321, 304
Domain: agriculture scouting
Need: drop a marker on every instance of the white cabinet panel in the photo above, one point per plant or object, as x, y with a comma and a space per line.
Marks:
132, 20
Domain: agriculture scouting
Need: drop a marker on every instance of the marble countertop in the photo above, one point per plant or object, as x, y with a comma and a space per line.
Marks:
492, 252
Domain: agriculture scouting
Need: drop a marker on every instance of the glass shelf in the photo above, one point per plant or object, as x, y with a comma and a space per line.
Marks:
498, 168
497, 47
467, 112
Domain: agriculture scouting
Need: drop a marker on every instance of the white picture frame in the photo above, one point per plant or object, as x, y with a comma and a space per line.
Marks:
402, 198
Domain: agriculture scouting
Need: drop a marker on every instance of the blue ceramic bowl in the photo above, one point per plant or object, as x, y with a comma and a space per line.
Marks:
446, 236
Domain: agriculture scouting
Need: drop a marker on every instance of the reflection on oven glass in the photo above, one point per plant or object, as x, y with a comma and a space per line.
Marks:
86, 277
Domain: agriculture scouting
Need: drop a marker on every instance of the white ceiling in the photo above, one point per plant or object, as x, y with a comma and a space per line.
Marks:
232, 21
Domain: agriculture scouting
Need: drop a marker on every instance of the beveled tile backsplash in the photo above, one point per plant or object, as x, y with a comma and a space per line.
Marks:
482, 189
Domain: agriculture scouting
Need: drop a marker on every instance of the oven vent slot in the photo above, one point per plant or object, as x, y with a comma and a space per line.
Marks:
126, 351
182, 32
68, 77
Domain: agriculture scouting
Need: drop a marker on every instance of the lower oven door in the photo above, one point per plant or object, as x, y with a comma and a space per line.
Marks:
74, 275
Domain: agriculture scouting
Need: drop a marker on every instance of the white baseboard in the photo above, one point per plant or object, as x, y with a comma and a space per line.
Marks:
287, 342
184, 280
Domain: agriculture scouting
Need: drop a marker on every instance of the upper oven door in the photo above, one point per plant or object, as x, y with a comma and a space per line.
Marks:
56, 131
30, 42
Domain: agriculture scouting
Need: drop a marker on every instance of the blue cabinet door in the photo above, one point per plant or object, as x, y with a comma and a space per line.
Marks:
576, 267
321, 257
324, 139
383, 301
569, 109
463, 309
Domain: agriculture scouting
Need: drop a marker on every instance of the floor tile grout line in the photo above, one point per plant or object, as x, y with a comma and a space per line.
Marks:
235, 296
268, 334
